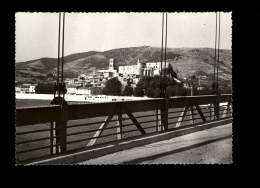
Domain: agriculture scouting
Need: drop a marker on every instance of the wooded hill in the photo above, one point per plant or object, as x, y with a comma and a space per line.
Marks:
185, 61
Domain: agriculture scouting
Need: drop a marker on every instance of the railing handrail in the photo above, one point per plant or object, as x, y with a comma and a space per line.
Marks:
44, 114
37, 115
43, 106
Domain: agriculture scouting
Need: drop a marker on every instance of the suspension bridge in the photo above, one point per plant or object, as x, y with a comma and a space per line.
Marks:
63, 133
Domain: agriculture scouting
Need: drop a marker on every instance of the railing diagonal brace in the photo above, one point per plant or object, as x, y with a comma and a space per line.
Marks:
183, 114
130, 115
102, 127
200, 112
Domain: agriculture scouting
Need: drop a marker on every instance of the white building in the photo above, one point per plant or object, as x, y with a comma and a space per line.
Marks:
82, 76
130, 69
83, 91
71, 90
145, 69
69, 81
32, 88
96, 84
18, 89
156, 65
135, 80
28, 88
154, 68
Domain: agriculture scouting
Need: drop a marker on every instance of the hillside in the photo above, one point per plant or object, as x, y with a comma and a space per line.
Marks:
186, 61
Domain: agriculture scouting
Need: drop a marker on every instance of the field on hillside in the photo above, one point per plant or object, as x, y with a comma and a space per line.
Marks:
149, 127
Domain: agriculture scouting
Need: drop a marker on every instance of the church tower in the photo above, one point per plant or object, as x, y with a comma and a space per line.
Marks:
139, 68
111, 64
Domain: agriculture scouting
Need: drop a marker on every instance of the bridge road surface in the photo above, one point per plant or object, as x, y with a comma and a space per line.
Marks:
210, 146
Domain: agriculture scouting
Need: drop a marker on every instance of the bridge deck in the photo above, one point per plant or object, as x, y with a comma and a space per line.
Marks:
209, 146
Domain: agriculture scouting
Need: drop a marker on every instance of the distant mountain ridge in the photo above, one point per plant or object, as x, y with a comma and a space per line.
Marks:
186, 61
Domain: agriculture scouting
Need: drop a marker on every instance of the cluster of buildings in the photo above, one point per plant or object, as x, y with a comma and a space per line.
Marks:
142, 69
86, 84
94, 83
25, 88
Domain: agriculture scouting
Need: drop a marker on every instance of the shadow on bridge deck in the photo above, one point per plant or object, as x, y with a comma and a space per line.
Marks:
205, 147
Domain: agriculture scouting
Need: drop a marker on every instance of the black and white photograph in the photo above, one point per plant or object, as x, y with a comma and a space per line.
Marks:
118, 88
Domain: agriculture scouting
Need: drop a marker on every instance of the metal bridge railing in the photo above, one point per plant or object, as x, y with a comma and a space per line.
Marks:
43, 132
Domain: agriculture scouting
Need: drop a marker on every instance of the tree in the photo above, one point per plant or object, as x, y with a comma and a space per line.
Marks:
138, 92
170, 91
193, 76
149, 92
195, 91
205, 90
156, 93
113, 87
128, 91
213, 89
174, 74
129, 82
170, 82
151, 86
171, 72
180, 91
44, 88
143, 83
152, 92
49, 75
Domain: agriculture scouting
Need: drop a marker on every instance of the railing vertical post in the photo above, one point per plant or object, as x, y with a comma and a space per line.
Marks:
119, 123
191, 114
157, 123
162, 112
166, 109
57, 134
160, 120
51, 139
63, 127
216, 107
210, 113
60, 126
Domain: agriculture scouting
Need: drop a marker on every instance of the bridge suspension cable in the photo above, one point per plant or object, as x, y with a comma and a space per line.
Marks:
214, 79
163, 72
161, 84
216, 59
59, 85
165, 53
58, 68
63, 47
218, 50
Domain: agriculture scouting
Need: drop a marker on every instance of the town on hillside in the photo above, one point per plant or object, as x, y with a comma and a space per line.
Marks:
94, 83
130, 75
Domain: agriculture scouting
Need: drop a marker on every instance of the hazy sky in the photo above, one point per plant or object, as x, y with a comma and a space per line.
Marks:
37, 33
